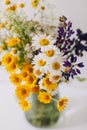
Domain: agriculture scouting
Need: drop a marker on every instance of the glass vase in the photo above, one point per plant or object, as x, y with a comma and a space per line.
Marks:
42, 115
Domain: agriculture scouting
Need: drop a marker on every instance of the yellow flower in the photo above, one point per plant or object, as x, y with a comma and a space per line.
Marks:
35, 3
15, 79
49, 85
7, 2
25, 105
24, 74
13, 42
62, 103
11, 8
2, 48
7, 59
2, 25
0, 63
14, 51
44, 97
12, 67
42, 8
22, 91
31, 79
35, 89
28, 68
21, 5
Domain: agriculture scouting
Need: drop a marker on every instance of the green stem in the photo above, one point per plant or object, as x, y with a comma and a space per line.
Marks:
54, 99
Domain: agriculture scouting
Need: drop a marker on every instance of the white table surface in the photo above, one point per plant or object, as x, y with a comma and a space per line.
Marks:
75, 115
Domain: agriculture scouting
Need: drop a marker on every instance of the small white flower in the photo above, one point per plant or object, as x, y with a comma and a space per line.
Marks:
40, 63
56, 65
38, 74
55, 77
42, 42
51, 52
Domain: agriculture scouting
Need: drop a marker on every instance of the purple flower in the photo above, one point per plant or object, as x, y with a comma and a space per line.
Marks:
81, 64
78, 71
69, 25
70, 33
73, 59
67, 64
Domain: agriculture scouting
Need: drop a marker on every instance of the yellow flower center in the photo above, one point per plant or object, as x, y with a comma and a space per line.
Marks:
41, 62
13, 66
56, 77
67, 69
21, 5
42, 7
49, 53
35, 3
30, 80
44, 42
48, 82
35, 89
23, 92
8, 59
38, 72
16, 79
30, 70
24, 74
7, 2
56, 66
61, 103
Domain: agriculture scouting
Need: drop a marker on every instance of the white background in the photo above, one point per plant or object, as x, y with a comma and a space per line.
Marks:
75, 116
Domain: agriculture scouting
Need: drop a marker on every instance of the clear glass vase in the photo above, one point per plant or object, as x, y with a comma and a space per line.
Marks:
42, 115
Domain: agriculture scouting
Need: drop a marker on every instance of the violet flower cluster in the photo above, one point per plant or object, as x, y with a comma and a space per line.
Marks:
72, 44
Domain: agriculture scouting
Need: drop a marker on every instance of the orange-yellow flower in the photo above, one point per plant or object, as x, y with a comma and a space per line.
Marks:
22, 91
12, 67
13, 42
31, 80
7, 2
35, 89
21, 5
15, 79
62, 103
7, 59
44, 97
2, 25
28, 68
35, 3
49, 85
11, 8
25, 105
24, 74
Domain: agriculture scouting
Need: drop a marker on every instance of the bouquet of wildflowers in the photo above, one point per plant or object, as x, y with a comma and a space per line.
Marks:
38, 57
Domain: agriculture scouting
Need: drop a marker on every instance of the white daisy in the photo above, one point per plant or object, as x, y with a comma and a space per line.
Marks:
55, 77
51, 51
42, 41
40, 63
56, 64
38, 74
